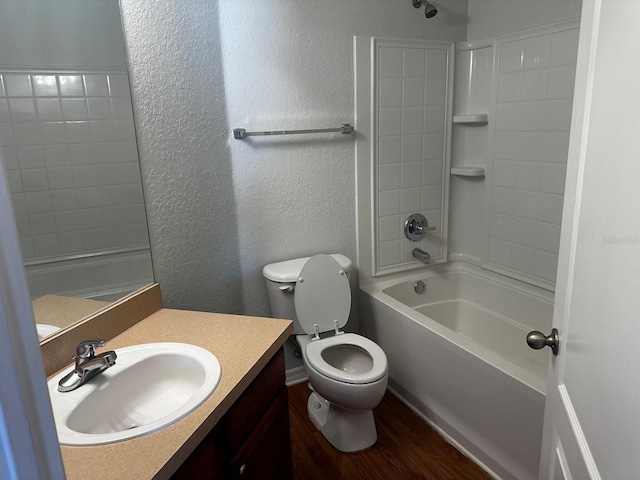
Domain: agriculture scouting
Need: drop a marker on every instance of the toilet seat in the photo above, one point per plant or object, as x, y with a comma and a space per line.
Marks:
316, 361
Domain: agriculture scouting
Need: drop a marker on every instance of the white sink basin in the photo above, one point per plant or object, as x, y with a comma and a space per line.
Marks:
150, 386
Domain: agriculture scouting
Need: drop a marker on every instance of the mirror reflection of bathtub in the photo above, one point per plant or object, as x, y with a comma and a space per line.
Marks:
457, 353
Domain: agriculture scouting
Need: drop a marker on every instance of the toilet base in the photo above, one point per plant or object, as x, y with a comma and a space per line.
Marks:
346, 430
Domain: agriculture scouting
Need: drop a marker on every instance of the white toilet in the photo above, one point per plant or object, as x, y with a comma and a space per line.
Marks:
348, 373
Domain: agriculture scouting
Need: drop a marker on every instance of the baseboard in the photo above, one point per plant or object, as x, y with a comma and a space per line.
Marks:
296, 375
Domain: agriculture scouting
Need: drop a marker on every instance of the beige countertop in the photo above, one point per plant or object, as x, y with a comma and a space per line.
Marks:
243, 346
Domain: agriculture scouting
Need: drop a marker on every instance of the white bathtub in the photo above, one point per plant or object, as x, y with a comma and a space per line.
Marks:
457, 355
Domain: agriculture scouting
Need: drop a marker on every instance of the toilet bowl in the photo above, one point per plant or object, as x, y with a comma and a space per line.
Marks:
348, 373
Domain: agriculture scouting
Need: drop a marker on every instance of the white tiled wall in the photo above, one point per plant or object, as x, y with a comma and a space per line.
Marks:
412, 111
534, 93
68, 141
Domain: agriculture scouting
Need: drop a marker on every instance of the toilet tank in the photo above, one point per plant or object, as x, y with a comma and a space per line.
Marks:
281, 280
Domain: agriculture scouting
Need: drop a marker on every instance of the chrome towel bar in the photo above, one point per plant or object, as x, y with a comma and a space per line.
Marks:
240, 133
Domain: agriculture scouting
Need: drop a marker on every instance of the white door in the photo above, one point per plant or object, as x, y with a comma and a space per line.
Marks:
592, 418
28, 442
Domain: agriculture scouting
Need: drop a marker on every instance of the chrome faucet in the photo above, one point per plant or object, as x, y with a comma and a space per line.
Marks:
421, 255
88, 364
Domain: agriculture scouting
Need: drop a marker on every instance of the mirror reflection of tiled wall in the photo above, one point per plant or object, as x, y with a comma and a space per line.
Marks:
68, 142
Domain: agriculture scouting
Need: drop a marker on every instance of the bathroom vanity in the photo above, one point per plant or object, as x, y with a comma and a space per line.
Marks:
252, 440
240, 431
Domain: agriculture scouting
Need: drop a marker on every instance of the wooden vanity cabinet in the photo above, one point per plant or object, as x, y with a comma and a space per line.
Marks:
252, 440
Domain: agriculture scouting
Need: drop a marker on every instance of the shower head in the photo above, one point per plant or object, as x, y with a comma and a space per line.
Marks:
429, 10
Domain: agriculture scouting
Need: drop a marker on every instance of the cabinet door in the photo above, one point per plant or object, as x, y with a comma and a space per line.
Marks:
208, 461
243, 417
267, 451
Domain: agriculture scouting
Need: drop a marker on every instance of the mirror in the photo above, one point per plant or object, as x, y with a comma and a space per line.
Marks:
69, 147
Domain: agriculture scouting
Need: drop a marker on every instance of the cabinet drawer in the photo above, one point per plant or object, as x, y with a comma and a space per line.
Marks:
245, 414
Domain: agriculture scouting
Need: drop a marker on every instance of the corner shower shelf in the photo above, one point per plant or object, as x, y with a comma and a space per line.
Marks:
468, 171
471, 119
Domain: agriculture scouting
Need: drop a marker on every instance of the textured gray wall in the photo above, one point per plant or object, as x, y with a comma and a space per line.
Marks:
289, 64
173, 51
220, 209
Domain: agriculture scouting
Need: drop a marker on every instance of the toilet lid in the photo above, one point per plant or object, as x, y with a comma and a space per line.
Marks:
322, 294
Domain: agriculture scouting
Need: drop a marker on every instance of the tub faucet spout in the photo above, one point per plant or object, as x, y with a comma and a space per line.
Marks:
421, 255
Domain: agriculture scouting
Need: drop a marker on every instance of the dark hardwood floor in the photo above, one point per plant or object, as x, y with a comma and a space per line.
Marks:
407, 448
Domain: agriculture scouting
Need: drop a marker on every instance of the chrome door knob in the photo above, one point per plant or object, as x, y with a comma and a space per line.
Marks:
538, 340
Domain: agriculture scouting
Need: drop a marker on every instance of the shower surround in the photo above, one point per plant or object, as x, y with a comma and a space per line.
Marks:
510, 122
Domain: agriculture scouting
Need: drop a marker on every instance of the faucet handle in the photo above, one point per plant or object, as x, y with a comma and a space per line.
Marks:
416, 226
87, 349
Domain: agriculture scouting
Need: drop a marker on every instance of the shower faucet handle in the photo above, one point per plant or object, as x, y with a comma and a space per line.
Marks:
416, 226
